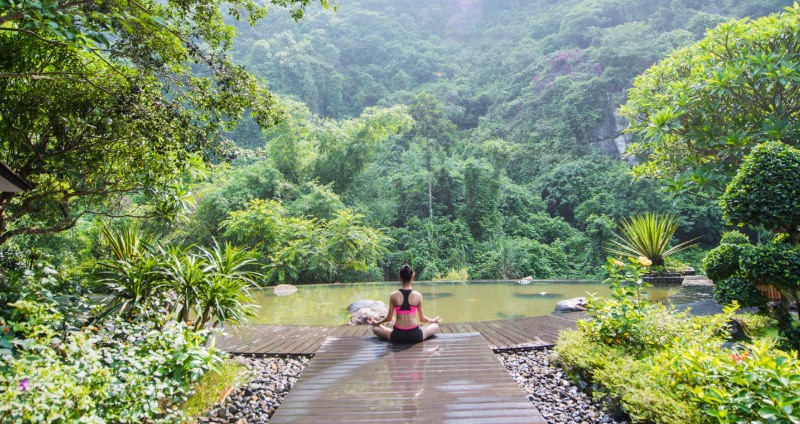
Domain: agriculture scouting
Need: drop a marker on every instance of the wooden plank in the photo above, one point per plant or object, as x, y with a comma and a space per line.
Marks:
449, 378
490, 332
276, 343
500, 334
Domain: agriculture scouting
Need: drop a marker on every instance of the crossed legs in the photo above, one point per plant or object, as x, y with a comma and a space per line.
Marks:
386, 333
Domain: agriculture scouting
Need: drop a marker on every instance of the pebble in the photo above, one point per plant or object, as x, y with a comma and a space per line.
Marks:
256, 401
549, 389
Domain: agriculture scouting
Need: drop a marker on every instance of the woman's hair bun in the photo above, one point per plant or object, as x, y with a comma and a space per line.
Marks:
406, 272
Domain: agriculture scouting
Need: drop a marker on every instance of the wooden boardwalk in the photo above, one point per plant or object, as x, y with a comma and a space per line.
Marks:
521, 333
452, 378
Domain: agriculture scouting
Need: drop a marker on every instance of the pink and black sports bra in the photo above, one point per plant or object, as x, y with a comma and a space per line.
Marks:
406, 308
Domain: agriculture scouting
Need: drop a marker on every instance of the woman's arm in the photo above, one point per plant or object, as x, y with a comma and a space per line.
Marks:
422, 317
389, 316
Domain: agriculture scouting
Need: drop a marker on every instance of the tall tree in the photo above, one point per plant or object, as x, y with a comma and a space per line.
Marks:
99, 100
698, 112
433, 130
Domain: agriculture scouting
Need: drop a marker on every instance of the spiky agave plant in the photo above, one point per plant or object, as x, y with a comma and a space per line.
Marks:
648, 235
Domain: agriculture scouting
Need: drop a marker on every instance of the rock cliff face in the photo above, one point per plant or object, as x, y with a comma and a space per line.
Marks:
608, 136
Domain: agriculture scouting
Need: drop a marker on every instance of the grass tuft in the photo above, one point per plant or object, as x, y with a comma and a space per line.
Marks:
214, 385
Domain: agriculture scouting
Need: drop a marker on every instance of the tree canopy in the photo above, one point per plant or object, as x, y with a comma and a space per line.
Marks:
103, 100
699, 111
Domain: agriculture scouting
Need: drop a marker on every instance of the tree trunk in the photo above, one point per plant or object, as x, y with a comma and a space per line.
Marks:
430, 194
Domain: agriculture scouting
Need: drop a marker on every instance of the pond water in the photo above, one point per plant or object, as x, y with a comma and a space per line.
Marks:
453, 301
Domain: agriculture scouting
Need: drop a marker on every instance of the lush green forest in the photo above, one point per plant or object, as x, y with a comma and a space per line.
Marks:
499, 149
180, 154
469, 138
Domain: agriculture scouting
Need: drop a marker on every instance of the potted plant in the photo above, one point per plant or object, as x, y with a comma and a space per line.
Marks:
648, 236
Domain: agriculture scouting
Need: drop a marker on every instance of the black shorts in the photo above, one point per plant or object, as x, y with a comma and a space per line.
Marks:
412, 335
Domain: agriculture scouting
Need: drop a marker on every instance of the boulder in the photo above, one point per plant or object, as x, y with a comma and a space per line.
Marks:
576, 304
526, 280
364, 304
284, 290
363, 310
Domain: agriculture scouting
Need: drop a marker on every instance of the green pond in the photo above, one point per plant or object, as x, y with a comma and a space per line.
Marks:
453, 301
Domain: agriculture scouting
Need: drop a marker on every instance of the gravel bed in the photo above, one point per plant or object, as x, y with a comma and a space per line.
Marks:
255, 402
550, 390
547, 387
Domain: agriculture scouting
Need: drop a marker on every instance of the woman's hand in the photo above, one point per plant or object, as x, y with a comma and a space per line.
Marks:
436, 320
372, 321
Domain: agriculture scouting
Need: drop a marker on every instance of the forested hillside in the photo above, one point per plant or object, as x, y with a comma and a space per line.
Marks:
470, 138
514, 118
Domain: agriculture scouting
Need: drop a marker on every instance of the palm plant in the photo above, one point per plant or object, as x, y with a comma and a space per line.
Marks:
224, 300
225, 296
126, 243
185, 275
648, 235
132, 283
232, 262
131, 272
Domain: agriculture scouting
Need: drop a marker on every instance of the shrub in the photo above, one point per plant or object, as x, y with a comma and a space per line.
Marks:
121, 371
638, 326
723, 261
766, 190
737, 289
777, 264
734, 237
621, 383
756, 384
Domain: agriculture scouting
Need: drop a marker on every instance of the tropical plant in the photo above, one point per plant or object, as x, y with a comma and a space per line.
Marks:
648, 235
701, 110
225, 296
132, 284
126, 242
131, 274
223, 299
185, 274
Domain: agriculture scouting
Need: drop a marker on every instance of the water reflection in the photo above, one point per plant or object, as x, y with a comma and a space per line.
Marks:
453, 301
503, 315
540, 295
433, 295
406, 365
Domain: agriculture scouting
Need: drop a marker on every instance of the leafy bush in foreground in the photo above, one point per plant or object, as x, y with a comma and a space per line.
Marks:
120, 371
660, 366
757, 383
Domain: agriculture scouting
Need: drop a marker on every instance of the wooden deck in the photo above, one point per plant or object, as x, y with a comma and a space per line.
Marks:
521, 333
452, 378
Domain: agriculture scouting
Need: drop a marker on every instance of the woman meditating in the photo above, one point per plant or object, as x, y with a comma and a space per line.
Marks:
407, 304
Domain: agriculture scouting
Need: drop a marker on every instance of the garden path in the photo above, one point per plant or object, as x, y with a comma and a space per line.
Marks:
446, 379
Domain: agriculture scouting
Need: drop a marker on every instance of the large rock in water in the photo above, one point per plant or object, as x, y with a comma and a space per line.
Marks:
284, 290
362, 310
576, 304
